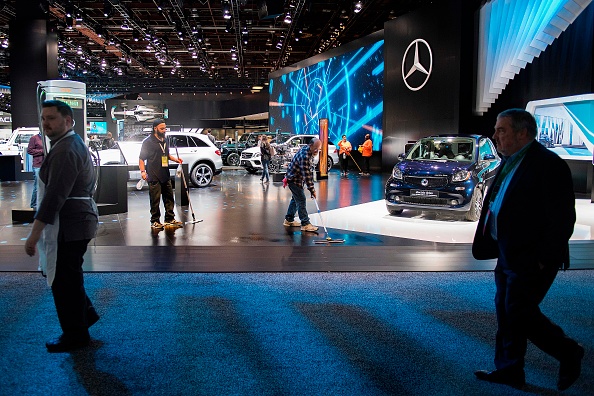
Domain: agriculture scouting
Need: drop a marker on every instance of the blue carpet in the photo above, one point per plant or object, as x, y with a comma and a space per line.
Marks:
280, 334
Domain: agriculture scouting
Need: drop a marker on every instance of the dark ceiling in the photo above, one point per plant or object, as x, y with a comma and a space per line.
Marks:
123, 47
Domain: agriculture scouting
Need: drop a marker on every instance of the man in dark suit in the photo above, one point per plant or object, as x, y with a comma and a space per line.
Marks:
526, 223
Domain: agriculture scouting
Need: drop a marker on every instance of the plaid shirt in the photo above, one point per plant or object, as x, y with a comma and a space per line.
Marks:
300, 169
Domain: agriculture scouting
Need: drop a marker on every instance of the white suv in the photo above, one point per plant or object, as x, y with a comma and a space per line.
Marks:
196, 150
287, 145
18, 141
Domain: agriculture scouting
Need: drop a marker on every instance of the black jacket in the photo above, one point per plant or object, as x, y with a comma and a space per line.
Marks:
537, 215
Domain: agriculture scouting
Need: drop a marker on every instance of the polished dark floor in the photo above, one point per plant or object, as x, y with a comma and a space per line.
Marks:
241, 231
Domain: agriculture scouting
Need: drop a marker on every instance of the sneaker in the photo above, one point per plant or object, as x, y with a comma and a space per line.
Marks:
157, 226
293, 223
174, 223
309, 227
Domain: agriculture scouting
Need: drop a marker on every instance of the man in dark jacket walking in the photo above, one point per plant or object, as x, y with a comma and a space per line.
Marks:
530, 242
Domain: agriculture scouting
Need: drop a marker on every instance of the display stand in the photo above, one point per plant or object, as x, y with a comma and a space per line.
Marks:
112, 195
181, 196
11, 169
23, 215
277, 177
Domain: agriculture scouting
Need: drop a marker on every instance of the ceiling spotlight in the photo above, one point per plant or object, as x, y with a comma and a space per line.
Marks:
226, 12
69, 10
125, 25
358, 7
288, 19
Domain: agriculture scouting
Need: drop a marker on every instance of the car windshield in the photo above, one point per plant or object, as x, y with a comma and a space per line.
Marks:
281, 139
443, 149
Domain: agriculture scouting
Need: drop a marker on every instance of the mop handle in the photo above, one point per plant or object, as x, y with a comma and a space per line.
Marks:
186, 186
320, 214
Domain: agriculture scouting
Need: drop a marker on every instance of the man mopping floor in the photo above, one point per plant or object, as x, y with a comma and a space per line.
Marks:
299, 173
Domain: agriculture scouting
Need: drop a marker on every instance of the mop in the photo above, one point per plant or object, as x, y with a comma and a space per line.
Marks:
179, 171
355, 162
328, 239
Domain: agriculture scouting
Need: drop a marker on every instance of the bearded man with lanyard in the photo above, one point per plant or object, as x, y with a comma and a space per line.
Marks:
155, 152
65, 222
529, 239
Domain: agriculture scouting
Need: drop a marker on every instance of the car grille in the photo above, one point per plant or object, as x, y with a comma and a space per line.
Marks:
424, 201
433, 181
246, 155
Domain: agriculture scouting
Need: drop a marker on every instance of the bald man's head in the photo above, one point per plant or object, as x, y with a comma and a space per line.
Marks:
315, 145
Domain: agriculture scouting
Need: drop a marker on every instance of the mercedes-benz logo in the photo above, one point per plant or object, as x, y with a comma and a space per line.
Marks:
424, 182
416, 64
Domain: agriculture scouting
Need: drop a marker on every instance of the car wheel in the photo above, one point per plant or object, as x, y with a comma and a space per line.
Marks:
330, 163
476, 205
233, 159
201, 175
394, 212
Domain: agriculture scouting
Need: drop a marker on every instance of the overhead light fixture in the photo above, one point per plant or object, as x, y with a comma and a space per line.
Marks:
358, 7
226, 12
288, 18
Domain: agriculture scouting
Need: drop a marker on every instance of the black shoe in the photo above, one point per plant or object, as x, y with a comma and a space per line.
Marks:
66, 343
570, 369
92, 316
515, 378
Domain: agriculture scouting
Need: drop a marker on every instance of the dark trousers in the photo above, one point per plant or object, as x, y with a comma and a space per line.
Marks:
297, 204
70, 298
344, 163
366, 164
519, 318
159, 190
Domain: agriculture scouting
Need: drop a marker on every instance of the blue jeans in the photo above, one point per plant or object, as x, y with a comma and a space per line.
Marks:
297, 204
34, 195
265, 172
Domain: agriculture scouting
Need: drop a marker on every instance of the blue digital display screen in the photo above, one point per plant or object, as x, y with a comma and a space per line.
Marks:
346, 89
97, 128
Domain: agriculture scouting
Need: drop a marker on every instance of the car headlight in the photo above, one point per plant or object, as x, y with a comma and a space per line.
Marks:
257, 154
397, 173
460, 176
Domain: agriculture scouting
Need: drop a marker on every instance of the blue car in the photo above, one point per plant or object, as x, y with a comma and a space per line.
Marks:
443, 173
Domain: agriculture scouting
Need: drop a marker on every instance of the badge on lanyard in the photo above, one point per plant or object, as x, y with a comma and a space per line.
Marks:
164, 161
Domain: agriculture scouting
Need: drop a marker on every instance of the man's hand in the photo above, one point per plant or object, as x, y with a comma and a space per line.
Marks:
33, 238
30, 246
143, 175
313, 194
179, 160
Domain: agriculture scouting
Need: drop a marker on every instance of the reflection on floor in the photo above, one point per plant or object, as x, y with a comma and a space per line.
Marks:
430, 226
242, 231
